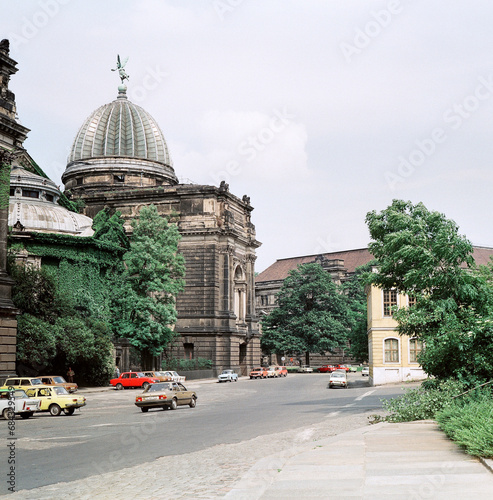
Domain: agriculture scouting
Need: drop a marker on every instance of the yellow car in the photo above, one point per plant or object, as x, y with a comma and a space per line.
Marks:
56, 399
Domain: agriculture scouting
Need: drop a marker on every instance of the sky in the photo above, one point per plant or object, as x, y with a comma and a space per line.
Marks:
319, 110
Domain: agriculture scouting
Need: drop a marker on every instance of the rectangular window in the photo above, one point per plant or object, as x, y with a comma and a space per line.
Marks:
389, 301
119, 178
411, 301
29, 193
79, 181
415, 348
391, 351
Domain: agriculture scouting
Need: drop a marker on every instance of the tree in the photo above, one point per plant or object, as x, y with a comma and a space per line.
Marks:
422, 254
354, 290
144, 299
311, 315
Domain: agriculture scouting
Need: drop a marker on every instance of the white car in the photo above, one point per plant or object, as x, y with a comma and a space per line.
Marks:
17, 402
173, 376
305, 369
365, 372
338, 379
228, 376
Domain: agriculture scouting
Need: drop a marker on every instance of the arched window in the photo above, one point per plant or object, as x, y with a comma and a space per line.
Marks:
415, 348
391, 350
240, 295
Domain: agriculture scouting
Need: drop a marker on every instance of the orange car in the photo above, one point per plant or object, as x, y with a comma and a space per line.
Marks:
282, 371
258, 373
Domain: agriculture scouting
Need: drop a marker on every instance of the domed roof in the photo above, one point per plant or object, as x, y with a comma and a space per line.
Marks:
120, 129
33, 207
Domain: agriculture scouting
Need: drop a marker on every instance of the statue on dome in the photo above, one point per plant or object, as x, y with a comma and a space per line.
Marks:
120, 67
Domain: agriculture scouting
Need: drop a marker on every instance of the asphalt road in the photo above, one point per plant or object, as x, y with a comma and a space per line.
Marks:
111, 433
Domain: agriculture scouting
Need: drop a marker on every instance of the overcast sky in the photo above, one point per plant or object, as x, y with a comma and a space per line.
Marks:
320, 110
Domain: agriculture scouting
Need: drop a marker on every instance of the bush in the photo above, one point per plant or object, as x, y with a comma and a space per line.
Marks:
469, 422
187, 364
422, 403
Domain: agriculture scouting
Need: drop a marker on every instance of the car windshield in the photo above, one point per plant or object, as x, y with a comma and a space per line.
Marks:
59, 380
158, 387
60, 390
140, 374
36, 381
19, 393
337, 375
225, 372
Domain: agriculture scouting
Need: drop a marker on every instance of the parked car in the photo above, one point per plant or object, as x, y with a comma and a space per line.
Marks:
258, 373
21, 382
271, 372
326, 368
365, 372
173, 376
58, 380
56, 399
305, 369
161, 376
228, 376
17, 402
352, 369
132, 379
338, 379
282, 371
166, 395
343, 367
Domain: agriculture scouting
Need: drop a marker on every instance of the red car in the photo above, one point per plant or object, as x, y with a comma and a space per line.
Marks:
132, 379
327, 369
343, 367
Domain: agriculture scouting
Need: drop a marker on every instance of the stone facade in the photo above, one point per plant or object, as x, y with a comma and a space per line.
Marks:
12, 135
216, 311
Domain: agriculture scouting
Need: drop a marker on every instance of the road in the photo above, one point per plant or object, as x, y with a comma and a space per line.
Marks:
111, 433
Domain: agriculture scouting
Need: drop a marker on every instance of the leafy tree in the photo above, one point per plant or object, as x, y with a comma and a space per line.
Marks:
421, 253
144, 301
311, 315
354, 290
110, 228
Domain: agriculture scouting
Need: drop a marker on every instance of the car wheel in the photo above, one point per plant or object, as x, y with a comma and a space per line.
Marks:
173, 405
8, 414
119, 387
143, 409
69, 411
145, 385
55, 410
193, 403
27, 414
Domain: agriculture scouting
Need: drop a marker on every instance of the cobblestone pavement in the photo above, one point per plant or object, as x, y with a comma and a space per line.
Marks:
206, 474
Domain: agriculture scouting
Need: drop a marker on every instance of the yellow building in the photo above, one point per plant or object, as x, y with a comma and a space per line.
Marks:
393, 357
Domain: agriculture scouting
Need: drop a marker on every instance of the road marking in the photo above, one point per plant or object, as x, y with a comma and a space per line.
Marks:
333, 414
349, 405
359, 398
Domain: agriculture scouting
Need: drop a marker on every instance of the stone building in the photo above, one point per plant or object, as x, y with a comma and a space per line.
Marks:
120, 160
12, 135
340, 265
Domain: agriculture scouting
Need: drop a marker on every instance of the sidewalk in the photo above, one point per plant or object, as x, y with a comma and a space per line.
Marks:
412, 460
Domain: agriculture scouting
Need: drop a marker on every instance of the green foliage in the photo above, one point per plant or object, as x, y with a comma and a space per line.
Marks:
36, 341
354, 290
144, 299
35, 293
110, 228
422, 403
312, 316
187, 364
469, 422
421, 253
